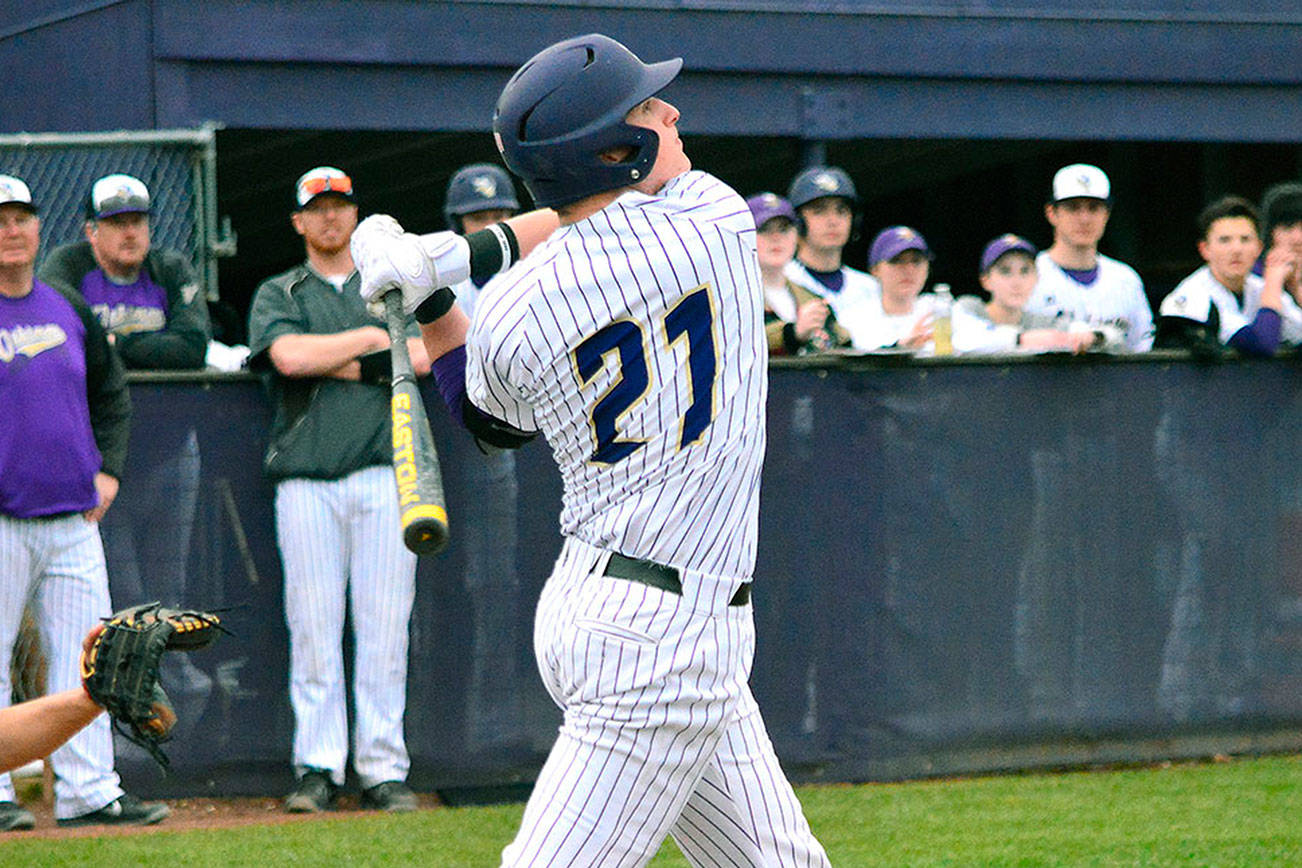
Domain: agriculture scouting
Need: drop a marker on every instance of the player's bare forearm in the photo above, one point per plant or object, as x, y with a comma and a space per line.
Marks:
304, 355
419, 358
448, 332
31, 730
445, 334
533, 227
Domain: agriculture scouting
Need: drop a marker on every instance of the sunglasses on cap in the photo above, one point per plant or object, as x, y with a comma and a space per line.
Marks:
325, 184
320, 181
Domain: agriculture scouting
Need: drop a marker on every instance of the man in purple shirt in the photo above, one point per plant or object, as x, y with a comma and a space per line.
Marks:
62, 449
149, 302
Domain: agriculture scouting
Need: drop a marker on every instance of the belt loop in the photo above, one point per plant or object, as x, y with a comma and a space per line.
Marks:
603, 559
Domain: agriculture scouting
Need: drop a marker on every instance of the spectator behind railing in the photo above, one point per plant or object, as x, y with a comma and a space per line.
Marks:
796, 321
1075, 279
900, 260
1003, 325
156, 317
1224, 303
825, 201
1281, 226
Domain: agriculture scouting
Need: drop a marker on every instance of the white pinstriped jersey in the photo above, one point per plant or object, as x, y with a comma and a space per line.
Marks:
1116, 298
633, 340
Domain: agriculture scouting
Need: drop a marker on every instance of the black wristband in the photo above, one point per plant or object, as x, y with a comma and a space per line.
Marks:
492, 250
377, 367
439, 303
789, 340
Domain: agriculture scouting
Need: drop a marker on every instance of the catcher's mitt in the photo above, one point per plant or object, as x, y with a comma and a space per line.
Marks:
119, 667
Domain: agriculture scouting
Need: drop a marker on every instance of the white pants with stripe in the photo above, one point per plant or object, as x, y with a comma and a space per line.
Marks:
58, 564
661, 734
341, 543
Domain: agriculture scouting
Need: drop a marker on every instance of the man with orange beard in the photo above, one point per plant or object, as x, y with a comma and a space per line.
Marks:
326, 358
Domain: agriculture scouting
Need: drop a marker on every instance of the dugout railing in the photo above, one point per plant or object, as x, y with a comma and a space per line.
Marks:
965, 565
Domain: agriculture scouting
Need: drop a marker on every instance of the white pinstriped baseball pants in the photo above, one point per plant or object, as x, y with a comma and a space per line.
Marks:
341, 540
58, 563
661, 734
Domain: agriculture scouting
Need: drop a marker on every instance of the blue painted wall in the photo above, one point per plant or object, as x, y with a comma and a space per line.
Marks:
1142, 69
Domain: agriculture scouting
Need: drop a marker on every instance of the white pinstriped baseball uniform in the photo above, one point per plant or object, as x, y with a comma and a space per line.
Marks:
58, 563
321, 527
1115, 299
633, 341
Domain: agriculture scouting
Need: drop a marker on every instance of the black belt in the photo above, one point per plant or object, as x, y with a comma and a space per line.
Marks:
660, 576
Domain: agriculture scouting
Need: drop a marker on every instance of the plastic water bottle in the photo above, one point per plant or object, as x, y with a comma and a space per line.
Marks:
942, 321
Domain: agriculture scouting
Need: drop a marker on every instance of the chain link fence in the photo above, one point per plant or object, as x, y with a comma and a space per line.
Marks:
178, 166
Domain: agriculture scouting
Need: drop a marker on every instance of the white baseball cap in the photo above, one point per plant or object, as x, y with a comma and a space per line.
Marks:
14, 192
118, 194
319, 182
1081, 181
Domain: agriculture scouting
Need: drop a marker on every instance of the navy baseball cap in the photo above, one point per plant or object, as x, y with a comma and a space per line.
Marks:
1282, 205
767, 206
117, 194
13, 191
1005, 244
819, 183
893, 241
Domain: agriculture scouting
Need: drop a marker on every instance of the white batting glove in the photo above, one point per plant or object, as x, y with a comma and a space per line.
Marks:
377, 225
366, 245
418, 265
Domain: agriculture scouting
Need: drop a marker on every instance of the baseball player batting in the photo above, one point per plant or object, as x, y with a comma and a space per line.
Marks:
632, 339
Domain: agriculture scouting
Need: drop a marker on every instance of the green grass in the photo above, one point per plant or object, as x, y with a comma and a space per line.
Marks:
1240, 813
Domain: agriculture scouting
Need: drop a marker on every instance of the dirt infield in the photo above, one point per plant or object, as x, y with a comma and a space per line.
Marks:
198, 814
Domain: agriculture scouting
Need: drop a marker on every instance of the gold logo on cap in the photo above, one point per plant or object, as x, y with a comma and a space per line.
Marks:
484, 185
825, 181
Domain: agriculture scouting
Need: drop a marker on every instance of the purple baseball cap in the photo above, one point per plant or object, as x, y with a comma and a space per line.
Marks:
1005, 244
893, 241
765, 206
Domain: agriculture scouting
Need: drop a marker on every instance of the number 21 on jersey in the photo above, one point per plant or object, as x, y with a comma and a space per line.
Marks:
690, 321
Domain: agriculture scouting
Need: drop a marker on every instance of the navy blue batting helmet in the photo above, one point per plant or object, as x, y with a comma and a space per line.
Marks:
566, 106
818, 182
478, 187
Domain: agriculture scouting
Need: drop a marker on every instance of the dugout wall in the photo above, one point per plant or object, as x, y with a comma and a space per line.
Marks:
964, 566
